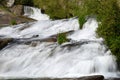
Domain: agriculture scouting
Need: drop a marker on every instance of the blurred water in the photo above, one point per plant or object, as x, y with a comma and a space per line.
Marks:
84, 55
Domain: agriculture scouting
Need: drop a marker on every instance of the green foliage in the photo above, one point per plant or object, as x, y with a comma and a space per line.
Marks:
110, 27
13, 22
61, 38
108, 13
59, 9
24, 2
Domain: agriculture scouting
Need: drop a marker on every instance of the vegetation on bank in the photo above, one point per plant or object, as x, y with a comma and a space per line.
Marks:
108, 13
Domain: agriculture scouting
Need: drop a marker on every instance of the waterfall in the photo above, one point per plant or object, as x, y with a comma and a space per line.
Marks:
85, 54
35, 13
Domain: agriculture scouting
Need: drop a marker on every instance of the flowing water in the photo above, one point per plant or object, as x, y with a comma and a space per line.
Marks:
85, 54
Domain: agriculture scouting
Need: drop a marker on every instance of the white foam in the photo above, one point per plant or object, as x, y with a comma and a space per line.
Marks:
35, 13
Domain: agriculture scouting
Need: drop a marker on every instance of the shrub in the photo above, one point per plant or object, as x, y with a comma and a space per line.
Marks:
61, 38
13, 22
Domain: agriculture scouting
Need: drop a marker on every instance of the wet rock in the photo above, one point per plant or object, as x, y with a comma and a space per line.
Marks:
51, 39
33, 42
26, 25
6, 19
79, 43
5, 42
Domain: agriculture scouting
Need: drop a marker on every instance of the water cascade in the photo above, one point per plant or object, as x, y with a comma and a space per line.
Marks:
83, 55
35, 13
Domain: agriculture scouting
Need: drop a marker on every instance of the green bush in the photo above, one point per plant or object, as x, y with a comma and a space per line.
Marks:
13, 22
61, 38
110, 27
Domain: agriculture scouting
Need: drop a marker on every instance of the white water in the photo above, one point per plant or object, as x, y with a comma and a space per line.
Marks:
35, 13
48, 59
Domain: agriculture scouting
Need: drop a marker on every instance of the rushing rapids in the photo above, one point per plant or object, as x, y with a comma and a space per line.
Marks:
84, 55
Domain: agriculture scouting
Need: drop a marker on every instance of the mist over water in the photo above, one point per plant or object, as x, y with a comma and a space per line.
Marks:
84, 55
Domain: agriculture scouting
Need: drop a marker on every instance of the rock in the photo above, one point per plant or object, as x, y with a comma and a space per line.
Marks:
5, 42
7, 19
10, 3
50, 39
96, 77
34, 44
7, 15
17, 10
